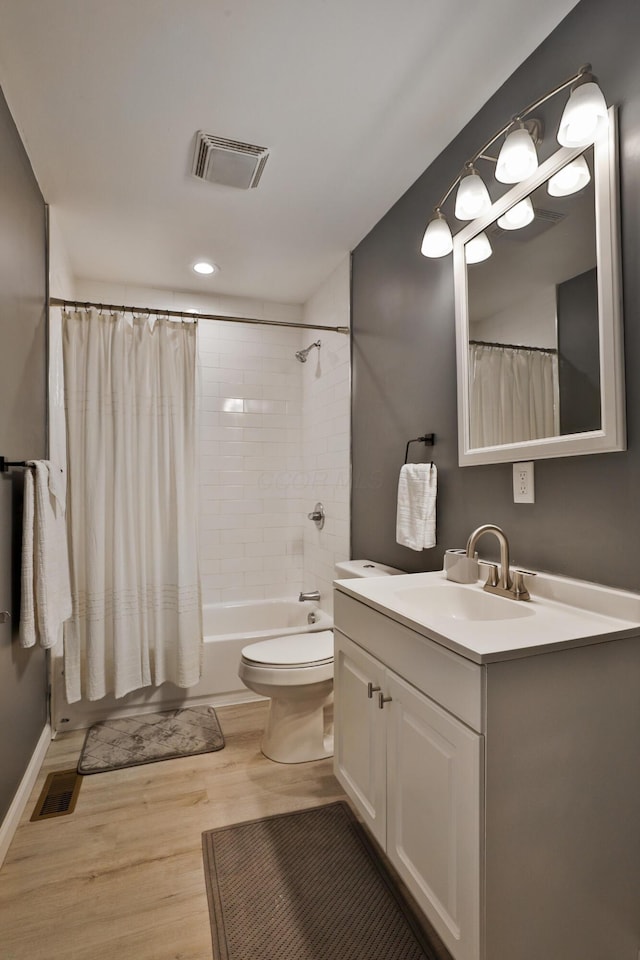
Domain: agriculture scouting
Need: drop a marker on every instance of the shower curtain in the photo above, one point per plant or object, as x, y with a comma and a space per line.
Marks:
130, 405
513, 394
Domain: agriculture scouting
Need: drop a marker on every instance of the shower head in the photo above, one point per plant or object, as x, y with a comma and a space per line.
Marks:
302, 355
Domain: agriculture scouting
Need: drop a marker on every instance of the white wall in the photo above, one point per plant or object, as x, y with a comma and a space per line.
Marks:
326, 440
61, 284
531, 322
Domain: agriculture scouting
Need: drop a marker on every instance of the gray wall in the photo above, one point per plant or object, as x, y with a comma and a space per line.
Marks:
579, 353
23, 356
586, 519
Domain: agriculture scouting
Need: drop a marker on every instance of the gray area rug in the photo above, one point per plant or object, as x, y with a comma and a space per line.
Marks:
131, 741
305, 886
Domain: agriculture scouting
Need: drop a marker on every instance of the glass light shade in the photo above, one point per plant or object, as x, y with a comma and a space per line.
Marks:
570, 179
477, 249
518, 158
437, 241
517, 216
472, 198
584, 117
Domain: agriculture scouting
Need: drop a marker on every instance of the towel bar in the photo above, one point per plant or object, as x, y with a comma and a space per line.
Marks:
5, 464
429, 439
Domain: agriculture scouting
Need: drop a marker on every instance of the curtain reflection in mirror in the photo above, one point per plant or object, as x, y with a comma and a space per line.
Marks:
513, 393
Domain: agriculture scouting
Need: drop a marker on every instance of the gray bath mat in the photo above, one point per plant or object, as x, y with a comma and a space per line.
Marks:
305, 886
130, 741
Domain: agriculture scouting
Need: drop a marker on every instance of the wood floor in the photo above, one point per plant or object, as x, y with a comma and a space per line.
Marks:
121, 878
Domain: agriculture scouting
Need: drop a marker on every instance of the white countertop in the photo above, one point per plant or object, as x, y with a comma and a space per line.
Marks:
561, 613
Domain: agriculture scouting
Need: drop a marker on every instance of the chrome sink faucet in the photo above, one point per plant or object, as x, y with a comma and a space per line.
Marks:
500, 581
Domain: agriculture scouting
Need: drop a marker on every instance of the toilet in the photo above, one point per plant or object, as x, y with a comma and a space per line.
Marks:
296, 673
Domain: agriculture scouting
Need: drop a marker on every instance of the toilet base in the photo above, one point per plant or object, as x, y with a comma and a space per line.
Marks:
299, 730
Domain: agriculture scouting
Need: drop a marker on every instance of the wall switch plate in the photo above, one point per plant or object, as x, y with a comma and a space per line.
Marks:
523, 488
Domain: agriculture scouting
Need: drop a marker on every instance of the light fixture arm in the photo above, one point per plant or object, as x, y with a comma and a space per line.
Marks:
480, 154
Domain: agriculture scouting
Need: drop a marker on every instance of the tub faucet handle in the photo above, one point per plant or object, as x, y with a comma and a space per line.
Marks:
317, 515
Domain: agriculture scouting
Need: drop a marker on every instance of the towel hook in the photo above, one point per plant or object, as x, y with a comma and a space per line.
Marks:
428, 439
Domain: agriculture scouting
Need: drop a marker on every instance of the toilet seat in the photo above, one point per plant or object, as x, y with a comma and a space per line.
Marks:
298, 650
299, 659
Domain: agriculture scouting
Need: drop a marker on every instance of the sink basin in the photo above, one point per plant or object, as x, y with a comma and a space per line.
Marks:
485, 628
460, 603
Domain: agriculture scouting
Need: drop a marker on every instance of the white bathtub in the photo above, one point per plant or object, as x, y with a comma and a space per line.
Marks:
227, 628
260, 619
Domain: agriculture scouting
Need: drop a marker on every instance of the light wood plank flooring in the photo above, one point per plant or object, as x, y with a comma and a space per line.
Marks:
122, 876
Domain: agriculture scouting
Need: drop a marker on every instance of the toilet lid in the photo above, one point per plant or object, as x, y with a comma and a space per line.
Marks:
295, 650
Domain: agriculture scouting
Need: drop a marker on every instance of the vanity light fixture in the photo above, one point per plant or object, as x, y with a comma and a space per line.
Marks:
570, 179
583, 119
437, 240
517, 159
478, 249
472, 198
585, 114
517, 216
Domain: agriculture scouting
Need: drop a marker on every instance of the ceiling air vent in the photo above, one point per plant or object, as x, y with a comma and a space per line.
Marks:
228, 162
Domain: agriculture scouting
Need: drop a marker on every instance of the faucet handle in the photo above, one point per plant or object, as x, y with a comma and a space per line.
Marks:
492, 578
519, 589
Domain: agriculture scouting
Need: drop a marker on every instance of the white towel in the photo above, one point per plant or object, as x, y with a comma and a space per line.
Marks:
46, 590
416, 517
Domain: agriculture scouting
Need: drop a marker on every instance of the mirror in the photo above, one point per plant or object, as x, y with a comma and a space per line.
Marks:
538, 318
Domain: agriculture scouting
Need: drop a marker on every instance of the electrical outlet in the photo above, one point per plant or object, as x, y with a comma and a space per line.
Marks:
523, 489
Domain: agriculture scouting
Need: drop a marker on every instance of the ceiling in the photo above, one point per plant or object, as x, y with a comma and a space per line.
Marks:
354, 98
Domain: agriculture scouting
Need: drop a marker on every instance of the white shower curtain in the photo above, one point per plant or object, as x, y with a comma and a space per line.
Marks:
513, 394
130, 403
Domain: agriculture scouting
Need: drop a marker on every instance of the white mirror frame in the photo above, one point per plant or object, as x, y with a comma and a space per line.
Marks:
612, 434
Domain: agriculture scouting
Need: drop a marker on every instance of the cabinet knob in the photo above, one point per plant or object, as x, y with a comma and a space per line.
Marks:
382, 700
5, 616
371, 690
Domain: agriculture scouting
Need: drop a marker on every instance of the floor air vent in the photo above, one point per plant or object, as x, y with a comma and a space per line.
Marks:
229, 162
58, 796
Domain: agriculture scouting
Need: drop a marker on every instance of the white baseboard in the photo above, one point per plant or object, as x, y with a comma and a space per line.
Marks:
10, 823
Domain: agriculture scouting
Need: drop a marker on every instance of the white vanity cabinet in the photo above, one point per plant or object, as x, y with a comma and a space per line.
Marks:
505, 792
360, 733
412, 769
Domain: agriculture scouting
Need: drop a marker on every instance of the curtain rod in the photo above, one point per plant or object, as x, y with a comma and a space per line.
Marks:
511, 346
196, 315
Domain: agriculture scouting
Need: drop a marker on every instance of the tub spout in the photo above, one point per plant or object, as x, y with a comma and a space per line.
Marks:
309, 595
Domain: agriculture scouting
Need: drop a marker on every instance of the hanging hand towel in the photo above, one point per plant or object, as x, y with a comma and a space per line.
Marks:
46, 591
416, 517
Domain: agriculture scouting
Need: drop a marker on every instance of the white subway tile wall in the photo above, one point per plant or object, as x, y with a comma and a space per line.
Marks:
250, 455
327, 435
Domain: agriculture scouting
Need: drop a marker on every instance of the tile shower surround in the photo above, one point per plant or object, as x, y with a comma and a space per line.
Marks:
326, 448
274, 438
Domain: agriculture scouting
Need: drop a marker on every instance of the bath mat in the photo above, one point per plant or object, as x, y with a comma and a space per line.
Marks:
131, 741
305, 886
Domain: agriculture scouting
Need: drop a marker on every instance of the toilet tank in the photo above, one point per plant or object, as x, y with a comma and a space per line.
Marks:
350, 569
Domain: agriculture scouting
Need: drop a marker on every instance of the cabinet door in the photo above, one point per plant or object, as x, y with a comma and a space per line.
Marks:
360, 733
433, 815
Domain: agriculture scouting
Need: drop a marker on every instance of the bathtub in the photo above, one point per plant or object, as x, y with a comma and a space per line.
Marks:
227, 628
260, 619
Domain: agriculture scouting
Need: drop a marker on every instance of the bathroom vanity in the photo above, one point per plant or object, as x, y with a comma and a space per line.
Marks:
492, 748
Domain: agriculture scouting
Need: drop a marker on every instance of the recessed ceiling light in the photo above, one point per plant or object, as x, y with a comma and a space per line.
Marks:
205, 268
